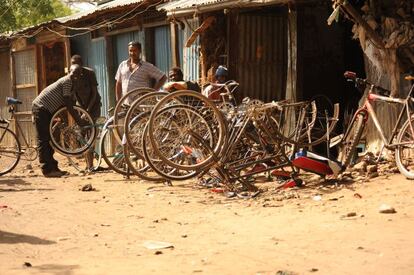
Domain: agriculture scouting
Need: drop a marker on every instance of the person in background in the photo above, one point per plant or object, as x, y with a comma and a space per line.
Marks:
87, 96
135, 73
51, 99
177, 82
213, 90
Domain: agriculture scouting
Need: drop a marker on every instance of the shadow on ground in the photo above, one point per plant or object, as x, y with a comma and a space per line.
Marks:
56, 269
13, 238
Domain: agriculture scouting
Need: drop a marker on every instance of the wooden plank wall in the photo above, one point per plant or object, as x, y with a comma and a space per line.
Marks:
5, 87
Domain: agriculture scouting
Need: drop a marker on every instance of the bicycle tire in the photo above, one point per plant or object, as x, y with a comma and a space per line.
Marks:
160, 168
185, 137
9, 149
119, 114
67, 137
116, 160
205, 107
139, 110
139, 167
134, 158
403, 163
351, 139
29, 153
79, 162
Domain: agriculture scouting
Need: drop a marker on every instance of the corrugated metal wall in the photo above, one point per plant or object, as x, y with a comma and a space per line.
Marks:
163, 55
98, 64
93, 54
120, 45
262, 55
190, 61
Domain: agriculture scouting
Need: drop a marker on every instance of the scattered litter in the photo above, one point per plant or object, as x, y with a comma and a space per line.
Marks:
63, 239
87, 187
158, 252
27, 264
105, 224
231, 194
386, 209
358, 196
247, 195
317, 198
157, 245
349, 215
289, 184
217, 190
285, 272
3, 206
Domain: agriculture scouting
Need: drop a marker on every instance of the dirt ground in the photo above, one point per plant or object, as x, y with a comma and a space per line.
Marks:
49, 226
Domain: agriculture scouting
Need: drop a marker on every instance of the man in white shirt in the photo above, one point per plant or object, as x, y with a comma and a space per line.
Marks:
135, 73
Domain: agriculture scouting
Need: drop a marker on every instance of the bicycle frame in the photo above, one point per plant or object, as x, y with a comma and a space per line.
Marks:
367, 111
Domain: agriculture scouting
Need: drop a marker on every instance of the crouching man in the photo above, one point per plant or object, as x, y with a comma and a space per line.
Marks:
52, 98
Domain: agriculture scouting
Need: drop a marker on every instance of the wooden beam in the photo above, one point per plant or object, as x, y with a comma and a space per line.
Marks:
174, 45
349, 9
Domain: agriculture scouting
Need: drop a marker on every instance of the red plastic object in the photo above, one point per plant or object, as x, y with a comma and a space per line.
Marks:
312, 165
289, 184
282, 174
217, 190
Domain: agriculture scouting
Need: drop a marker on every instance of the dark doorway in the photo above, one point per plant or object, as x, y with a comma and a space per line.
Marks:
324, 54
53, 61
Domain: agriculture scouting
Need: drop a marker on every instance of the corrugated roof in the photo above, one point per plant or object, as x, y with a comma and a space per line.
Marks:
200, 5
103, 7
77, 16
184, 4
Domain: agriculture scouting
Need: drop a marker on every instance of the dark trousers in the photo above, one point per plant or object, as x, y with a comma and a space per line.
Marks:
42, 119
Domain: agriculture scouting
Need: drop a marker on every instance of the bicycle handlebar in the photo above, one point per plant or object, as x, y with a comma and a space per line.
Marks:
352, 76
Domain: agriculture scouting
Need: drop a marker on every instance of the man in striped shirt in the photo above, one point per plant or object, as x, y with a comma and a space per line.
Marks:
135, 73
52, 98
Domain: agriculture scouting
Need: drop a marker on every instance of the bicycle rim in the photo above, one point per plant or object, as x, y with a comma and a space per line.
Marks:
9, 150
351, 140
404, 153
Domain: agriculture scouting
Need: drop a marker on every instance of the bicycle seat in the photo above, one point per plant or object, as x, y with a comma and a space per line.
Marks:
12, 101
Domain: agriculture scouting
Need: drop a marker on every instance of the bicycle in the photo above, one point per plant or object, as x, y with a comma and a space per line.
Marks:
192, 134
400, 138
74, 141
29, 152
11, 150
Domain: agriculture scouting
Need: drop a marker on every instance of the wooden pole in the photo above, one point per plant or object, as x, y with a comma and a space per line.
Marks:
349, 9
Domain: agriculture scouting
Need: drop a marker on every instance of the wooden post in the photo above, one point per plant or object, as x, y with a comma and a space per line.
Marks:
174, 45
110, 70
348, 8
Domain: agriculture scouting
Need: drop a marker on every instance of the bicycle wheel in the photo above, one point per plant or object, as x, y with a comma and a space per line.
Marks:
67, 137
112, 152
162, 169
136, 119
326, 118
122, 106
132, 148
79, 162
351, 139
404, 152
9, 150
197, 126
288, 121
183, 138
